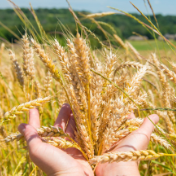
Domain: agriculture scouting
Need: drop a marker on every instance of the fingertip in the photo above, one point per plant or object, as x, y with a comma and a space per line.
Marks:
71, 127
21, 128
131, 116
66, 107
154, 118
30, 134
33, 111
64, 116
151, 120
147, 126
34, 120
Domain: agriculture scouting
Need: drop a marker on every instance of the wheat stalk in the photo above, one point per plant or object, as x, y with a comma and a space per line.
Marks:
136, 53
95, 15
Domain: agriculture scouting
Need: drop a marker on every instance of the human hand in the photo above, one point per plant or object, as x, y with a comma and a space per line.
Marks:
52, 160
137, 140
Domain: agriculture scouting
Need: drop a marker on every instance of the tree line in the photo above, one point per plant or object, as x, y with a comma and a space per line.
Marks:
57, 22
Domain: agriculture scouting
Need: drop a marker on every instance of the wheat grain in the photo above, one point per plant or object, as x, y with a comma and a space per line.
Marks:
59, 142
157, 139
24, 107
17, 68
166, 88
169, 73
62, 57
140, 155
28, 61
82, 66
37, 90
43, 132
46, 60
47, 84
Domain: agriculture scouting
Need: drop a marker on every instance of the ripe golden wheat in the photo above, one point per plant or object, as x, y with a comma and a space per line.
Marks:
102, 92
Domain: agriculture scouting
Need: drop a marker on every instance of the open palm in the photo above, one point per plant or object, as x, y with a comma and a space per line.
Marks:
54, 161
137, 140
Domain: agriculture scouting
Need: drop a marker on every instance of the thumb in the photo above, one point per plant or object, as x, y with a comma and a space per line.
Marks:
148, 125
30, 134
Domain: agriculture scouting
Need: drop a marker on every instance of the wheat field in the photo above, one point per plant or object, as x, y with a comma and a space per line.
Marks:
102, 86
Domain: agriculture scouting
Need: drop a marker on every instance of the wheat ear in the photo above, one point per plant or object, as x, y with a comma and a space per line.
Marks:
83, 67
59, 142
157, 139
75, 79
17, 68
138, 122
63, 143
116, 137
166, 88
140, 155
169, 73
24, 107
62, 57
28, 60
46, 60
132, 89
43, 132
132, 64
37, 89
47, 83
82, 128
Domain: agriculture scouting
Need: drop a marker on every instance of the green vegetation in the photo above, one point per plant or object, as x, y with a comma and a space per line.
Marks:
147, 45
52, 20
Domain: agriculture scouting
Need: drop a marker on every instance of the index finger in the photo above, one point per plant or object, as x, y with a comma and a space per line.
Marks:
63, 117
34, 120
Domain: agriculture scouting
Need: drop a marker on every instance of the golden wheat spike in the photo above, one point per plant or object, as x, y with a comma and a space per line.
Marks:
62, 57
28, 60
24, 107
17, 68
140, 155
43, 132
46, 60
59, 142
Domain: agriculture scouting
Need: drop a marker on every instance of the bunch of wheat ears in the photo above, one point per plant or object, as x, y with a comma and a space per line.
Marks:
102, 89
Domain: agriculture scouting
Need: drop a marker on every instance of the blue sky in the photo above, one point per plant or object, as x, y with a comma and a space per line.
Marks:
159, 6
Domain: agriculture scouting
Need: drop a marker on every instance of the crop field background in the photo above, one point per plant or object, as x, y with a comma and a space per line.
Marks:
102, 75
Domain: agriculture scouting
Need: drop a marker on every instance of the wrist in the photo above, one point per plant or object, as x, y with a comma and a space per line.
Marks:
117, 169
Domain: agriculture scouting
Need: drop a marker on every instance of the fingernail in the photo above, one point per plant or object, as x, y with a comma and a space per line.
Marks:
22, 128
